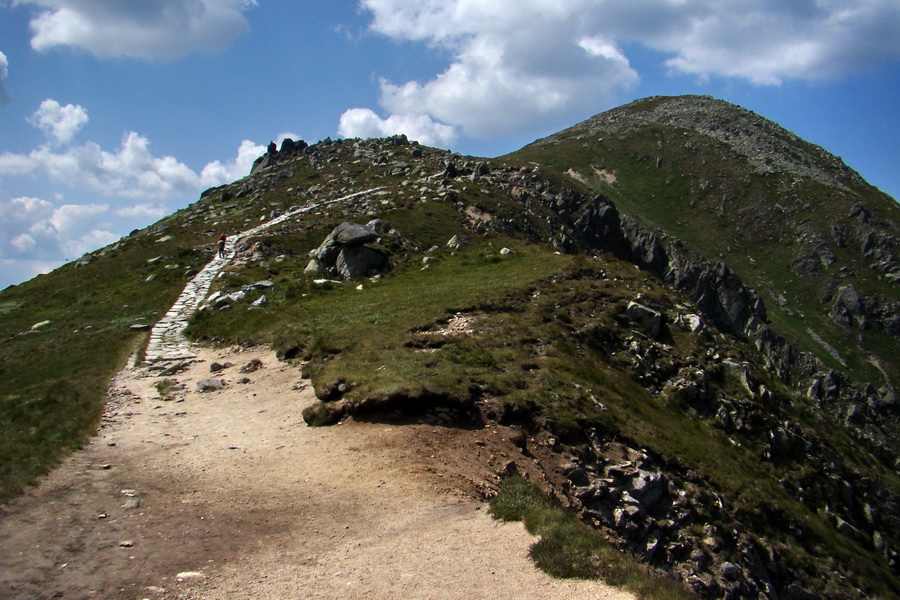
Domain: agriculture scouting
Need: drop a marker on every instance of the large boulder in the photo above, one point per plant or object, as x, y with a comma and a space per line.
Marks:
849, 308
359, 261
343, 253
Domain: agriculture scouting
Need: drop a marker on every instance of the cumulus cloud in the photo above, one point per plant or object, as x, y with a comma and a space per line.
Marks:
4, 71
132, 171
59, 123
770, 42
520, 64
32, 229
37, 235
161, 29
216, 173
514, 63
364, 123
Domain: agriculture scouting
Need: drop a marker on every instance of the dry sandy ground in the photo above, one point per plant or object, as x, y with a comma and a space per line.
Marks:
228, 494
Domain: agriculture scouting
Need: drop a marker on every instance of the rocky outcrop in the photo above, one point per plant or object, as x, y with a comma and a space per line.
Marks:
344, 253
289, 149
852, 310
718, 292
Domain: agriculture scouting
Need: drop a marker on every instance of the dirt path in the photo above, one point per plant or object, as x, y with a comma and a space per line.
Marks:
228, 494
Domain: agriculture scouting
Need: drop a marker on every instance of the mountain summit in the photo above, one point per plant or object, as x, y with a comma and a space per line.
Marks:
815, 241
685, 317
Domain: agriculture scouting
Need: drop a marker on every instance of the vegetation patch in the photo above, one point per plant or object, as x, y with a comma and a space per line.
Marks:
568, 548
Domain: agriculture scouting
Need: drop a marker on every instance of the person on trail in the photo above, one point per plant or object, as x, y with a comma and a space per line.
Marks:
222, 246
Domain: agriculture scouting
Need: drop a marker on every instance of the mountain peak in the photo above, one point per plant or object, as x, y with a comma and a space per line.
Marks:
767, 147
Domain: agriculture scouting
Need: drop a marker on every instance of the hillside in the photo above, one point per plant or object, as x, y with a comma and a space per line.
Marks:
713, 411
815, 241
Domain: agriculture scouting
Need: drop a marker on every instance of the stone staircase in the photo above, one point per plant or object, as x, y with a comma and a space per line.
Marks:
167, 340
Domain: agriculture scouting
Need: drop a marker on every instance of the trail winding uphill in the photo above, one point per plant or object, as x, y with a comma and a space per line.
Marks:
167, 341
228, 494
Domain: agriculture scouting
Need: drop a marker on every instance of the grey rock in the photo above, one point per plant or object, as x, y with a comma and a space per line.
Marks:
353, 234
731, 572
650, 320
252, 366
259, 285
379, 226
647, 488
848, 308
210, 385
577, 476
259, 302
359, 261
343, 253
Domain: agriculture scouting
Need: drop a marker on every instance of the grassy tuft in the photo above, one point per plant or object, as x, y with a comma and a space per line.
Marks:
568, 548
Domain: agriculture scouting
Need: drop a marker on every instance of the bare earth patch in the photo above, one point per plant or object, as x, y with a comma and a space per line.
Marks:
604, 175
228, 494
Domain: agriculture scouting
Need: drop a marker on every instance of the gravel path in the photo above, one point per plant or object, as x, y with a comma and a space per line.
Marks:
228, 494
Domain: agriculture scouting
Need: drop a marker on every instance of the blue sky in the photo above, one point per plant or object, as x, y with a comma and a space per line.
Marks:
114, 114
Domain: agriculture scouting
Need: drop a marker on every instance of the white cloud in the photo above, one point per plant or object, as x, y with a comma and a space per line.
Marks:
216, 173
514, 63
769, 42
520, 65
142, 211
132, 171
32, 229
364, 123
23, 242
15, 270
58, 122
37, 235
159, 29
4, 71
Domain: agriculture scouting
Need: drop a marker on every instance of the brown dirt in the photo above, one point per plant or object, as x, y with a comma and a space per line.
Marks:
228, 494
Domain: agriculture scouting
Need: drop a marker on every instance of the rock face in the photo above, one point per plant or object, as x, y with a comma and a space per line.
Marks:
344, 254
718, 291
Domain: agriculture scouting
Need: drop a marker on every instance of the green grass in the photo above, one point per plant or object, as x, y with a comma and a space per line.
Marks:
568, 548
53, 380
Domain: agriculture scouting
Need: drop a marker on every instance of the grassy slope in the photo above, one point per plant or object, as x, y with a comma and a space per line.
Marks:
54, 379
